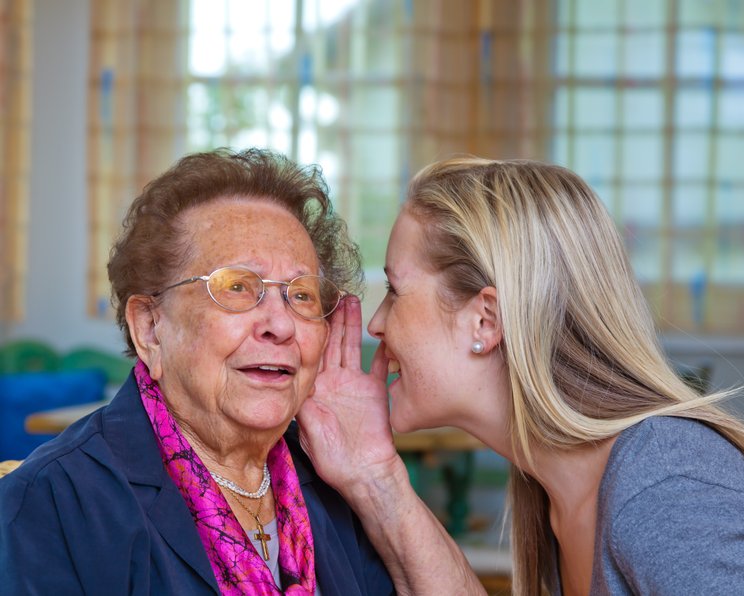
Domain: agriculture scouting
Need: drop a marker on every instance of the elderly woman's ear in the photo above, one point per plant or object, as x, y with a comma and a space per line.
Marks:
142, 320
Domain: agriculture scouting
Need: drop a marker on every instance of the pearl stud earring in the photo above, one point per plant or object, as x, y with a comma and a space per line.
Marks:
477, 347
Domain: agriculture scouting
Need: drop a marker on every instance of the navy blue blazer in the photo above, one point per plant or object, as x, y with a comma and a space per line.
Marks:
94, 512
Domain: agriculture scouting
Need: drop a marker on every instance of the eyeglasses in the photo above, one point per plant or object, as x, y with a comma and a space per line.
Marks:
239, 289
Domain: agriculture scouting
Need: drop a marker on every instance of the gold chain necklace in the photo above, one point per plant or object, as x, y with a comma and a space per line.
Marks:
260, 535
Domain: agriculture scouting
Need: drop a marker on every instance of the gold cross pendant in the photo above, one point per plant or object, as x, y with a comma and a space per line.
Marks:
264, 538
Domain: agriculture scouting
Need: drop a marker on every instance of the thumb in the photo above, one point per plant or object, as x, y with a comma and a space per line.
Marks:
308, 410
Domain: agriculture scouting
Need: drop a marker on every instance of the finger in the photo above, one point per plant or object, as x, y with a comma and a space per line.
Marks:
332, 355
351, 355
379, 366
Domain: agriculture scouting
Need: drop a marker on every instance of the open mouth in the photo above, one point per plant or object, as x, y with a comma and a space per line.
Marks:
393, 367
268, 372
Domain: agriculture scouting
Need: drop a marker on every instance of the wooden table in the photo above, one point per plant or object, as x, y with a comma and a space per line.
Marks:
416, 448
492, 566
437, 439
458, 467
420, 441
50, 422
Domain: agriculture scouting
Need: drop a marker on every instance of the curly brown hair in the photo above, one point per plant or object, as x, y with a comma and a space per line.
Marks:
151, 245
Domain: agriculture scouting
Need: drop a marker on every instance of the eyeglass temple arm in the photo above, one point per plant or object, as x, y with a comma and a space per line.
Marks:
190, 280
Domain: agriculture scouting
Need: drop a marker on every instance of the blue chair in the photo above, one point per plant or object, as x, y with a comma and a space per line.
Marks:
22, 394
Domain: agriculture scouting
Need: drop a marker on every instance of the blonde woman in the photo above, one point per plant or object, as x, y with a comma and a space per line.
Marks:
513, 313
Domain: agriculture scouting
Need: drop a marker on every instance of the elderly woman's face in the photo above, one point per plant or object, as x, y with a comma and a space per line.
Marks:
249, 369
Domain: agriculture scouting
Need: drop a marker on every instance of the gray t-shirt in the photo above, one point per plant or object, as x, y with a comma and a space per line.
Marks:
670, 513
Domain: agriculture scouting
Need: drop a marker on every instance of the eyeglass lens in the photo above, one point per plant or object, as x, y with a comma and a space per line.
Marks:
237, 289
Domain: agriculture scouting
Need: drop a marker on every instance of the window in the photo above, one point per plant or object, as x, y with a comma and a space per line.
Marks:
371, 90
649, 109
644, 100
316, 80
15, 111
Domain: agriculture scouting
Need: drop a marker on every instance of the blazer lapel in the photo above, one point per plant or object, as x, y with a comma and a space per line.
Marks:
128, 432
166, 515
331, 551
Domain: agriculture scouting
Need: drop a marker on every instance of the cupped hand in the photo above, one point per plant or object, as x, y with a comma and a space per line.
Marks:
344, 425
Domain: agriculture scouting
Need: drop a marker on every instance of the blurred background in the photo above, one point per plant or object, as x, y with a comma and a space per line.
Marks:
643, 98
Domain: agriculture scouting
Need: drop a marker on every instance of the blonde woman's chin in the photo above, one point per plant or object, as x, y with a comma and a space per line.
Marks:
409, 421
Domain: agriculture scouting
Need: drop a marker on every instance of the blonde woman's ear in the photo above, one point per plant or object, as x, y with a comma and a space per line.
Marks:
488, 332
142, 319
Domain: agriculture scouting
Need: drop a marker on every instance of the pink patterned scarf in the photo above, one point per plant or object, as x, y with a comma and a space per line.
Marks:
239, 569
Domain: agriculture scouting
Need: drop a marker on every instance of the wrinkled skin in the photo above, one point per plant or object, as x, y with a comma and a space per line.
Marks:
345, 426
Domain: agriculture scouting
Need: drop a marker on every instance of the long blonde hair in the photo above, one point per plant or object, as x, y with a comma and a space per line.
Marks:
580, 345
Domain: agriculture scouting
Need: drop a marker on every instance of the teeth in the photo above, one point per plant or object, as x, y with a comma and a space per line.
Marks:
273, 368
393, 367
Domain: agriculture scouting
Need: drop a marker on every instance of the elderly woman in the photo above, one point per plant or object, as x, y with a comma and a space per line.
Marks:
512, 313
191, 480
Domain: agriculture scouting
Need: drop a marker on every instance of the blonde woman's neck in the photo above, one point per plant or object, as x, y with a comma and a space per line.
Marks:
572, 481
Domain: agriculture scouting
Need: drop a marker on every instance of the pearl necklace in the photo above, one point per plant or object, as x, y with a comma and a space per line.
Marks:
230, 485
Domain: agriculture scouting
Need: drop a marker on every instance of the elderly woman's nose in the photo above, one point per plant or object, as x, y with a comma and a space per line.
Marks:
276, 318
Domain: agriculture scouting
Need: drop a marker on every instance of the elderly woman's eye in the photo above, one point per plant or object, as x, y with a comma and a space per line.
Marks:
302, 297
237, 286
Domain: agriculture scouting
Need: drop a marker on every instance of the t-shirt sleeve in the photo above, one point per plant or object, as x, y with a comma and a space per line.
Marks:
681, 536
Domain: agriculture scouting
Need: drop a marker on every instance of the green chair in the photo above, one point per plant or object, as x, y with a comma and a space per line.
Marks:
26, 355
115, 367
